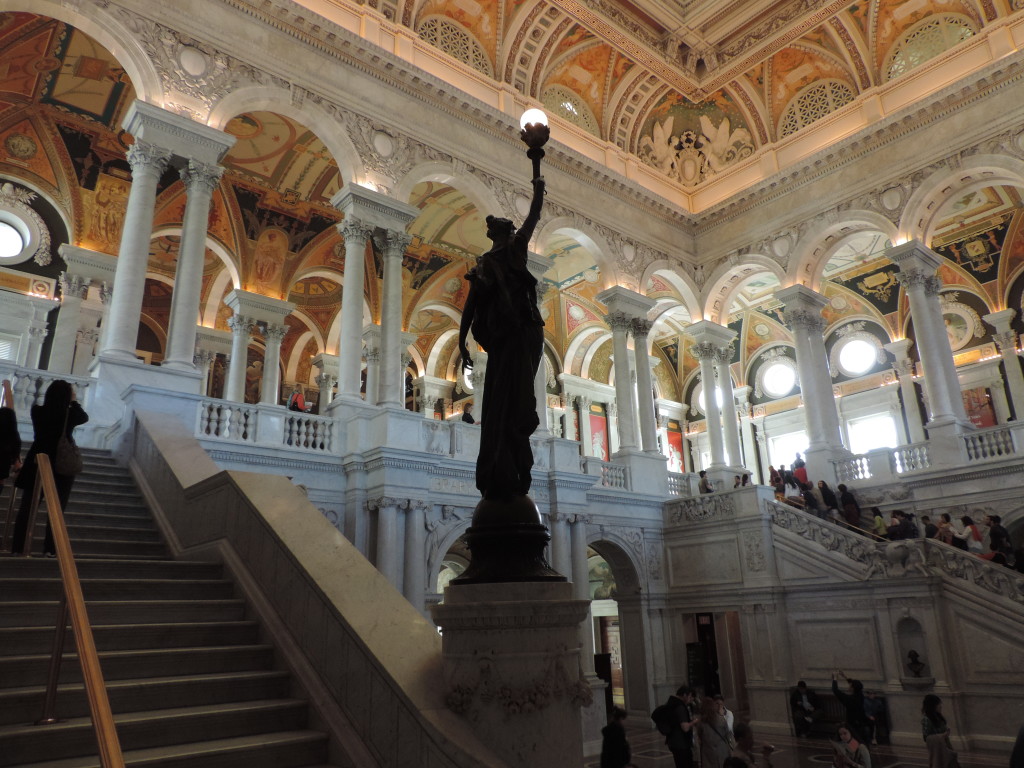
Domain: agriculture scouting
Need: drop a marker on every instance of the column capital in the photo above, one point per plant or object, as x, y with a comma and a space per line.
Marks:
354, 230
182, 136
203, 357
200, 176
618, 321
144, 157
240, 324
73, 286
537, 265
395, 243
106, 293
932, 285
707, 332
705, 350
629, 303
275, 333
914, 256
900, 349
373, 208
806, 320
724, 355
263, 309
640, 327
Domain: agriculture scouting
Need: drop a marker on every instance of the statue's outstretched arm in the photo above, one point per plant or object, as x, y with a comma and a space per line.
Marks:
525, 232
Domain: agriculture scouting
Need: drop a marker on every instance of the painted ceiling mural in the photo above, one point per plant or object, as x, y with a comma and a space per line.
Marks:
694, 88
62, 97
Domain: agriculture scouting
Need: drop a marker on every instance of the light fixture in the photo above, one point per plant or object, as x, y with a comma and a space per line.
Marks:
535, 134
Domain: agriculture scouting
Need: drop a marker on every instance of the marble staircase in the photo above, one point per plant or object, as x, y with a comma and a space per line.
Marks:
190, 681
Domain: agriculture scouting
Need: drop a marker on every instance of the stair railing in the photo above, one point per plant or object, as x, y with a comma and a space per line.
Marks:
7, 401
72, 603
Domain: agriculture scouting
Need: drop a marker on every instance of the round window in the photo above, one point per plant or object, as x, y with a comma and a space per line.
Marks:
778, 379
857, 357
11, 241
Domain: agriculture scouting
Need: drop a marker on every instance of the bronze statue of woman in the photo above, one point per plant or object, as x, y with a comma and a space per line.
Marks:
501, 310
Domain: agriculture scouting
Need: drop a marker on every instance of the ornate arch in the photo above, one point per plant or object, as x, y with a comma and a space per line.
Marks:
729, 277
813, 251
469, 185
279, 100
610, 274
684, 285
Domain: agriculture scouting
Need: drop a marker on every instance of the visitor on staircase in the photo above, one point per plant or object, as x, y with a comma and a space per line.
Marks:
57, 417
10, 444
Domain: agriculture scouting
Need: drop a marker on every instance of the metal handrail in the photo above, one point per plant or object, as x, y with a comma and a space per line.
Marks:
73, 603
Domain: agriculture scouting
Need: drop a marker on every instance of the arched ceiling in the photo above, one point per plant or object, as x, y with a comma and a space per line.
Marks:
689, 87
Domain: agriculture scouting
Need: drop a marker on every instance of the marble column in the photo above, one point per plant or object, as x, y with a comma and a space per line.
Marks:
612, 416
538, 266
36, 337
274, 335
747, 431
389, 547
241, 333
415, 582
73, 290
997, 390
148, 162
730, 422
620, 324
371, 353
391, 394
640, 328
904, 368
1006, 339
203, 360
200, 181
350, 343
561, 554
581, 589
917, 265
477, 377
586, 434
706, 354
824, 435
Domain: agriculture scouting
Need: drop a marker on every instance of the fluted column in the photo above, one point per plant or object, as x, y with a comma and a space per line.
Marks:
391, 320
241, 331
273, 335
1006, 339
747, 433
389, 548
415, 582
148, 162
640, 328
586, 433
200, 181
620, 324
350, 344
917, 265
73, 290
904, 369
730, 422
706, 354
203, 360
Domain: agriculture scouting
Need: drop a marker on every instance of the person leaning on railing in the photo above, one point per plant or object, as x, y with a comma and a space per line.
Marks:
59, 414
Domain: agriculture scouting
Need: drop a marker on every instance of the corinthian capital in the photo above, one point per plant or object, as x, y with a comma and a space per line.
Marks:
640, 327
73, 286
913, 278
724, 355
201, 176
355, 230
144, 157
395, 243
705, 350
805, 320
275, 333
241, 324
619, 321
932, 285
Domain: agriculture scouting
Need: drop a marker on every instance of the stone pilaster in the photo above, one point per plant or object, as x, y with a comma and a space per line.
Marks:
1006, 339
391, 367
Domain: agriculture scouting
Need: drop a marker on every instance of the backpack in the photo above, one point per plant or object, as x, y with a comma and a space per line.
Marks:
664, 719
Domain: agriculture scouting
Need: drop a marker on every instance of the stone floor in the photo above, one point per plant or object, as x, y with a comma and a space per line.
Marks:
649, 752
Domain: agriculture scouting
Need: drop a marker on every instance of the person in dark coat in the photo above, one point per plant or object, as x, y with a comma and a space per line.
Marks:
680, 739
10, 444
615, 752
853, 702
849, 506
59, 413
803, 703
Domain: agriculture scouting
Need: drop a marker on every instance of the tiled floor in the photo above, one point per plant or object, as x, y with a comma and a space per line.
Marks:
649, 752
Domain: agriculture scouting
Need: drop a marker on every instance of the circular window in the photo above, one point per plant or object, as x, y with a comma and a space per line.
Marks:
11, 241
778, 379
857, 357
700, 399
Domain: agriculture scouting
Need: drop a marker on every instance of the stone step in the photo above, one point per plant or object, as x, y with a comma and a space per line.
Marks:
27, 671
282, 749
24, 705
34, 567
24, 641
141, 531
44, 613
146, 730
117, 589
110, 520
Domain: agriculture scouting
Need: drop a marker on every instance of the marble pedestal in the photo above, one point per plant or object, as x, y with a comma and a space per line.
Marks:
511, 661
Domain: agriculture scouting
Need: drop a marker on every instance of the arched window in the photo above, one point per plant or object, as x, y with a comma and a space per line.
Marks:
567, 104
926, 40
813, 103
456, 41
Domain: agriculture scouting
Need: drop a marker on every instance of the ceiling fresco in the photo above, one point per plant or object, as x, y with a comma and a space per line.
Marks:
692, 88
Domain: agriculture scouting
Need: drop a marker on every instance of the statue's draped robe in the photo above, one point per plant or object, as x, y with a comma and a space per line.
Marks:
508, 325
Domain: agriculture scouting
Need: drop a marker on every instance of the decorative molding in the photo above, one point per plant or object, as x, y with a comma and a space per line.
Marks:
19, 201
701, 508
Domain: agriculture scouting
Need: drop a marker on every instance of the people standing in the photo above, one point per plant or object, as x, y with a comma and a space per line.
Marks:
849, 506
615, 751
10, 444
715, 736
57, 417
931, 530
946, 529
971, 535
853, 702
467, 414
705, 485
936, 733
849, 751
680, 728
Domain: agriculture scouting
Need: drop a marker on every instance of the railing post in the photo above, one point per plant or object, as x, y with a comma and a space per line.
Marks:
880, 465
